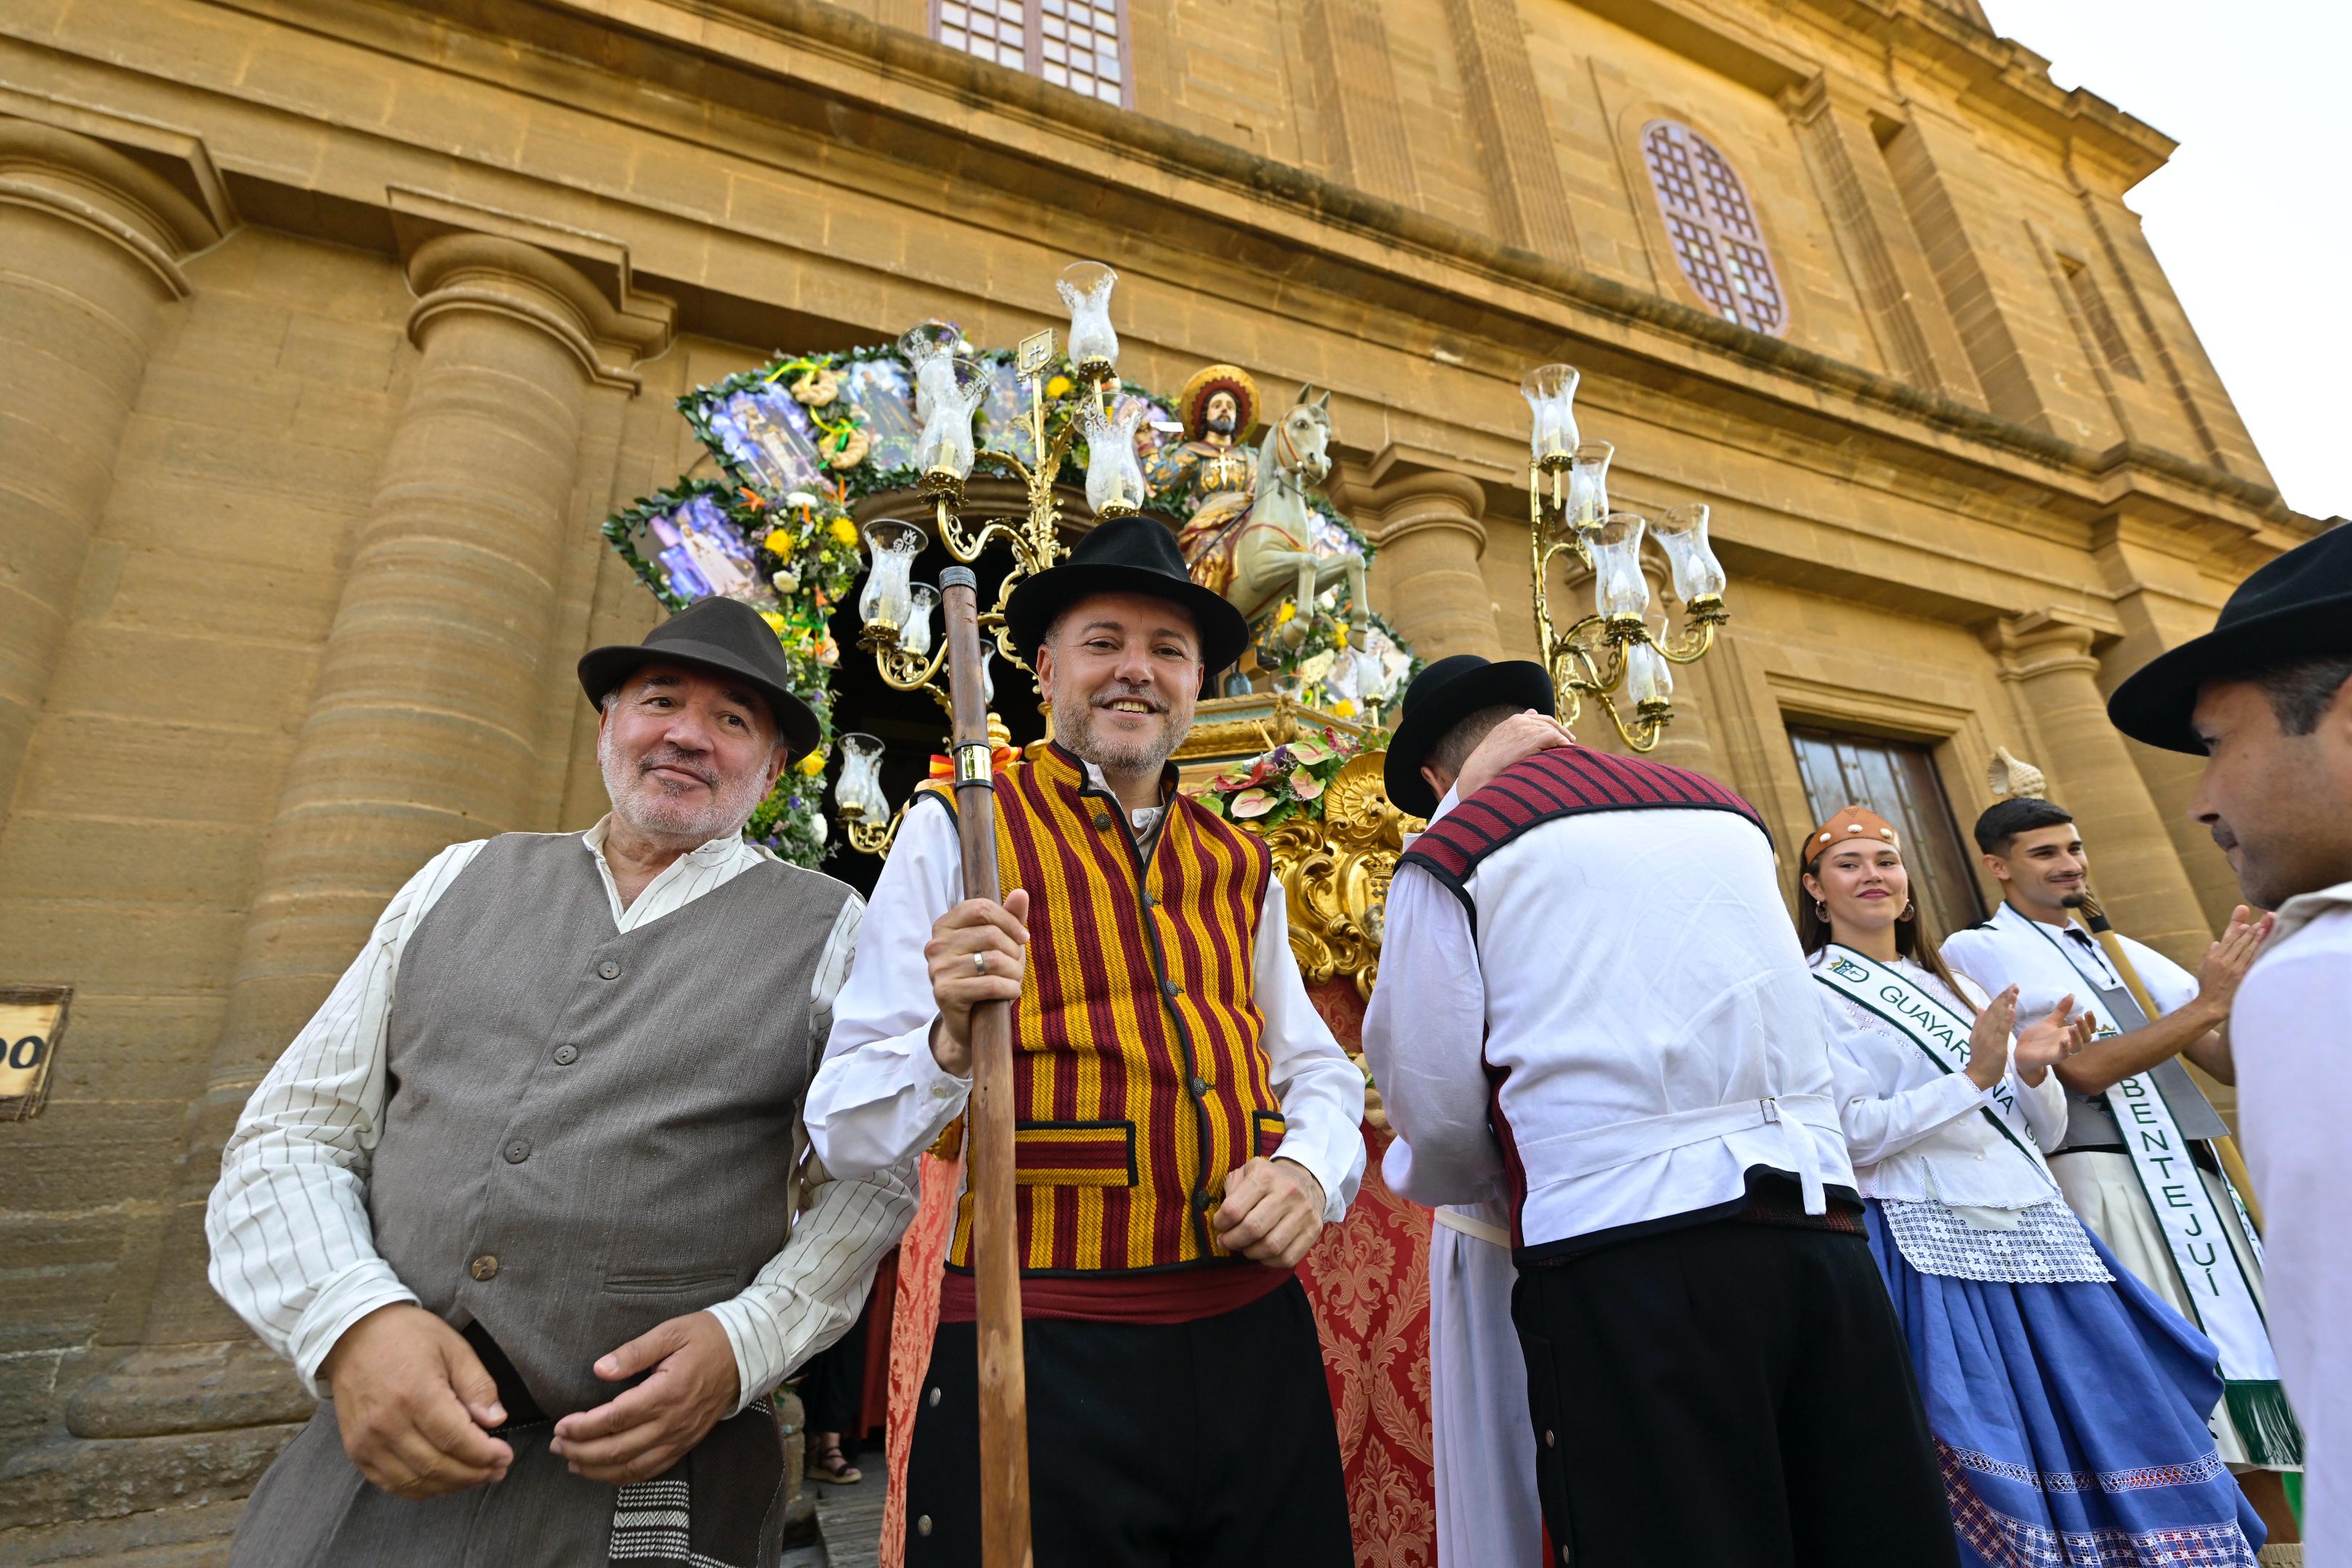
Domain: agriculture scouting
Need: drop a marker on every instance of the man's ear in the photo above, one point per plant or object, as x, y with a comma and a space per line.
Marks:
1995, 867
1438, 780
1044, 666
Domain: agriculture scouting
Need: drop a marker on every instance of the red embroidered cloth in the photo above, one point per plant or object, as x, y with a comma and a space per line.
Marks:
1369, 1280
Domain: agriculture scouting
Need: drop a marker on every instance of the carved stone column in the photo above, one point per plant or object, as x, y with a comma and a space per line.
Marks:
90, 250
2135, 867
1430, 532
423, 728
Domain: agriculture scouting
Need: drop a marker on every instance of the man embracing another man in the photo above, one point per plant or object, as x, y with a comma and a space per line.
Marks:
520, 1200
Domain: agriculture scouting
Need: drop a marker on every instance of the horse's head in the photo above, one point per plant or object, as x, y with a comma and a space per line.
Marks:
1302, 438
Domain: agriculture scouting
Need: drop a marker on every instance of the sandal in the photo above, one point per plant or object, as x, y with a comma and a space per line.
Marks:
833, 1469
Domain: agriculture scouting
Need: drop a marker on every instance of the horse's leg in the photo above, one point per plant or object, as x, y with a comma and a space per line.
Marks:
1360, 608
1310, 583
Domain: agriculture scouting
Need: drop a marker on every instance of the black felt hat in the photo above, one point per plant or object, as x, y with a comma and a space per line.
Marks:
717, 634
1134, 554
1440, 697
2297, 606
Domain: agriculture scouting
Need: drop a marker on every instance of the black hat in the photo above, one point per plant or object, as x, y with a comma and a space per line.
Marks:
718, 634
2297, 606
1440, 697
1134, 554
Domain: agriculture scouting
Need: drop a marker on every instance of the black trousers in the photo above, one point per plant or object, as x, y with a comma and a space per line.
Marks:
833, 1387
1728, 1396
1199, 1444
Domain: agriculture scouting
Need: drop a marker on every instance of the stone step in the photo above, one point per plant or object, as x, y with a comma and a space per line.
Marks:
64, 1479
196, 1536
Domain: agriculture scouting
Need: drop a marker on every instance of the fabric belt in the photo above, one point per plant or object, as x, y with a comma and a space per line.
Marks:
1161, 1296
1622, 1142
521, 1409
1476, 1229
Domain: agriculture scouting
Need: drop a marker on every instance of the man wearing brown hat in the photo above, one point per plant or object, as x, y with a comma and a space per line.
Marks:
519, 1200
1185, 1125
2266, 698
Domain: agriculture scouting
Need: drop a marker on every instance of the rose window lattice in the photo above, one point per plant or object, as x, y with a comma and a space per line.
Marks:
1711, 226
1077, 43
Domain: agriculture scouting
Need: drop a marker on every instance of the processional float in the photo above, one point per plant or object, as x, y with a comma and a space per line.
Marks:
1290, 749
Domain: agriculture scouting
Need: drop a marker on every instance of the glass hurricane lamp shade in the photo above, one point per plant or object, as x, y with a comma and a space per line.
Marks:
915, 636
945, 446
927, 348
1114, 478
1619, 588
1647, 676
1681, 534
1084, 287
857, 793
888, 597
1550, 392
1588, 486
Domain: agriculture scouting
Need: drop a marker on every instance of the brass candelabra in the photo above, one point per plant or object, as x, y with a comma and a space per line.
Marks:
1569, 515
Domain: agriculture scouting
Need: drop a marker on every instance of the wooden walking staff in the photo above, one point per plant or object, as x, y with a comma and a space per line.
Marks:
996, 1267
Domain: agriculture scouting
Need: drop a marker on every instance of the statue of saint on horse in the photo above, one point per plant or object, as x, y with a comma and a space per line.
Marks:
1252, 537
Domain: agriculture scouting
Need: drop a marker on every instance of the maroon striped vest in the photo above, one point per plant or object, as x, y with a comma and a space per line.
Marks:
1566, 781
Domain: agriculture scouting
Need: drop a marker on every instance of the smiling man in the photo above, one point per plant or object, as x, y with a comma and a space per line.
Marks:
2123, 1179
2266, 698
519, 1200
1185, 1125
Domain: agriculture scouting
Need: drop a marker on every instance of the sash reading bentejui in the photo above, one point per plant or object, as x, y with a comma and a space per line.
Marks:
1141, 1079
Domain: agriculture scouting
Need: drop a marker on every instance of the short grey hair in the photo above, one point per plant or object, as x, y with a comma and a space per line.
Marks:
2301, 692
1454, 748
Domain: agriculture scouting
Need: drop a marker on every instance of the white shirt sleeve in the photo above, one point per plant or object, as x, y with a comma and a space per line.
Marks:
1978, 955
1321, 1091
1425, 1035
2295, 1094
1880, 1117
293, 1252
880, 1097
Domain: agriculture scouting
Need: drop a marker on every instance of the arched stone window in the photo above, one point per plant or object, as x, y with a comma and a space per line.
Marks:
1712, 228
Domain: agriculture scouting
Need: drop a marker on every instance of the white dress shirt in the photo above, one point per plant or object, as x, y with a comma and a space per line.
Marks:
2292, 1026
2014, 949
881, 1096
1914, 1128
1632, 972
292, 1249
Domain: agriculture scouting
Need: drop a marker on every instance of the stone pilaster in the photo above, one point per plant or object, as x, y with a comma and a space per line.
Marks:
1687, 741
2135, 867
1430, 531
424, 727
1516, 139
1356, 92
90, 258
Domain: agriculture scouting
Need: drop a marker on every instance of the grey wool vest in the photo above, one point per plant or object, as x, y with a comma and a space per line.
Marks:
588, 1132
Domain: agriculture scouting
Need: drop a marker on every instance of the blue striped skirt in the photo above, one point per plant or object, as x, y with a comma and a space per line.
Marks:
2069, 1420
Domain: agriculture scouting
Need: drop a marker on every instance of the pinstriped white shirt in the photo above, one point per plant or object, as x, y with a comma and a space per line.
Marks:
294, 1254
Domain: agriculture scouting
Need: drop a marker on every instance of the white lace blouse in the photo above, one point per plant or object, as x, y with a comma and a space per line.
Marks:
1914, 1131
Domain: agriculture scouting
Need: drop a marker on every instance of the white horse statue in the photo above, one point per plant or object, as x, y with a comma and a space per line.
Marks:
1256, 556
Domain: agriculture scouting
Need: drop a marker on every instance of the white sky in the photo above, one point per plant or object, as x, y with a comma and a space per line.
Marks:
2253, 217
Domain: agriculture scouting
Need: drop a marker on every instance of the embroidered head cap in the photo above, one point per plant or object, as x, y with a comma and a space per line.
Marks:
1855, 821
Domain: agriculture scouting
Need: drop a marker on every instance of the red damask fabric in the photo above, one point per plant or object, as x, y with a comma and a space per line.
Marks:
1368, 1280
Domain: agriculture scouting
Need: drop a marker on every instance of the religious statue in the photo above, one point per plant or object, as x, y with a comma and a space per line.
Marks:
1250, 537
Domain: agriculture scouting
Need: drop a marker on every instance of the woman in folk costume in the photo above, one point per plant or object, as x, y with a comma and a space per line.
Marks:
2067, 1400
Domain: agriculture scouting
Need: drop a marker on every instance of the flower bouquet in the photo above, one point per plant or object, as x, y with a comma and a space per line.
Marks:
1274, 786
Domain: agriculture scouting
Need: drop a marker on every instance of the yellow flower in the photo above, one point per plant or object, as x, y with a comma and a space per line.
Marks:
1059, 386
812, 765
780, 543
1344, 709
776, 622
843, 530
1282, 616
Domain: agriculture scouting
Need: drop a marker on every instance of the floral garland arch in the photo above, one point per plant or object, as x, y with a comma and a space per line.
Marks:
799, 440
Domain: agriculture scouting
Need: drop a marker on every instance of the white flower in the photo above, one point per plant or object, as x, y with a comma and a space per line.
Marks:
1316, 668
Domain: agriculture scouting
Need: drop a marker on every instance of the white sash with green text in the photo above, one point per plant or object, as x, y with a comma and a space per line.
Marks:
1927, 1023
2219, 1294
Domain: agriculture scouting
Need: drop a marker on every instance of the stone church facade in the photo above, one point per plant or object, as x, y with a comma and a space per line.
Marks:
333, 328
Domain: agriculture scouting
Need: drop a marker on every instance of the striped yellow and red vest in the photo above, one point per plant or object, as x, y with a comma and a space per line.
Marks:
1141, 1082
